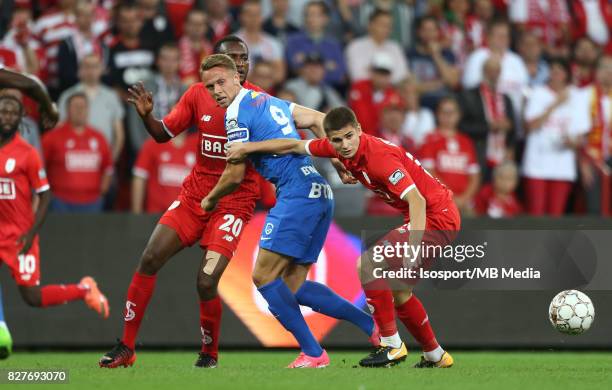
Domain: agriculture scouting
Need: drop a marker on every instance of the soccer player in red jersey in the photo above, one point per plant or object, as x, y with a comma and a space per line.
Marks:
185, 223
399, 179
21, 175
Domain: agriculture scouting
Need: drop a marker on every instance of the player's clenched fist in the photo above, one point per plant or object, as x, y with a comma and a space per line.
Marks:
141, 99
236, 152
208, 204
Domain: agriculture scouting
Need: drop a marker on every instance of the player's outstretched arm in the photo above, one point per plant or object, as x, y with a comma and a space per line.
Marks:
34, 88
307, 118
228, 182
41, 213
143, 102
238, 151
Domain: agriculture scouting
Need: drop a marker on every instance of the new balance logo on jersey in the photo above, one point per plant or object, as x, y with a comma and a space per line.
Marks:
228, 238
206, 118
396, 177
7, 189
129, 313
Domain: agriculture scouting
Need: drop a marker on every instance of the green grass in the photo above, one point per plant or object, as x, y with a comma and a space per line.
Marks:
263, 370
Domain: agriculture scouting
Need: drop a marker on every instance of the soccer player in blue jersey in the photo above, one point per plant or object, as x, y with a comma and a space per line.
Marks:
295, 229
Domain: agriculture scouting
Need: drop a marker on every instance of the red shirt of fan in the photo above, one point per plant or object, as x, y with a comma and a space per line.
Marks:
164, 166
197, 108
76, 163
389, 171
490, 204
21, 174
453, 159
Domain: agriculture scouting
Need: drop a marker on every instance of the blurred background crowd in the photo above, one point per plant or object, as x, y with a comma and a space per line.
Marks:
507, 102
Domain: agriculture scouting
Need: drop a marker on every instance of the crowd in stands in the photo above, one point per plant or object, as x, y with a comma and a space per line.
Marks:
507, 102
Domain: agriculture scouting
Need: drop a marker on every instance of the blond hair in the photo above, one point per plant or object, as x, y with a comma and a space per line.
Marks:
218, 60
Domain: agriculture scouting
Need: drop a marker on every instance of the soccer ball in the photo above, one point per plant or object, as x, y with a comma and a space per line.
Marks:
571, 312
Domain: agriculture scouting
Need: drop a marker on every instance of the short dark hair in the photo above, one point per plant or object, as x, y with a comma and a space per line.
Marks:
564, 64
228, 39
448, 99
379, 12
15, 100
318, 3
338, 118
427, 18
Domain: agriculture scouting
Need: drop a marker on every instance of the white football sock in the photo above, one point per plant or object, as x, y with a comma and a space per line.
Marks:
435, 355
393, 341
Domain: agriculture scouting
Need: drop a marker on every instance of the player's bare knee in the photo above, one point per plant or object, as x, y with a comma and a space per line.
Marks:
150, 261
260, 278
207, 286
31, 296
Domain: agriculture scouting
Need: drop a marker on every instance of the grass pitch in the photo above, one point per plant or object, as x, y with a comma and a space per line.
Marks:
263, 370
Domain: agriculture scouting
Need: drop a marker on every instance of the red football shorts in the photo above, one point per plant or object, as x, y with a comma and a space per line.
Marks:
25, 268
217, 231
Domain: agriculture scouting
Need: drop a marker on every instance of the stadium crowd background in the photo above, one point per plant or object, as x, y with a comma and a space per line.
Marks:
508, 102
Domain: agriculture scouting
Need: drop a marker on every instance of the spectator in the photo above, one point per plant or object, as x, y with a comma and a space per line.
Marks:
366, 96
262, 46
277, 24
454, 29
598, 97
314, 39
287, 95
402, 12
21, 43
549, 20
28, 128
498, 200
585, 55
362, 51
391, 121
514, 76
432, 66
419, 121
220, 19
488, 118
194, 46
450, 156
156, 29
166, 88
262, 75
130, 59
160, 171
593, 19
530, 50
483, 15
309, 87
556, 121
78, 161
106, 112
52, 28
82, 42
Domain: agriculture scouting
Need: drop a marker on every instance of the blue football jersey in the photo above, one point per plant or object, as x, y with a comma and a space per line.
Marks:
255, 116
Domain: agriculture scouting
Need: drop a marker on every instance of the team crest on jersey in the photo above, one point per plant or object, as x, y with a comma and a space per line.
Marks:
231, 124
190, 159
238, 135
93, 144
10, 165
396, 177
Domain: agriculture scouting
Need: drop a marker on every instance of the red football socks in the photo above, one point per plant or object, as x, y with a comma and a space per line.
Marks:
413, 315
210, 322
138, 296
380, 303
58, 294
